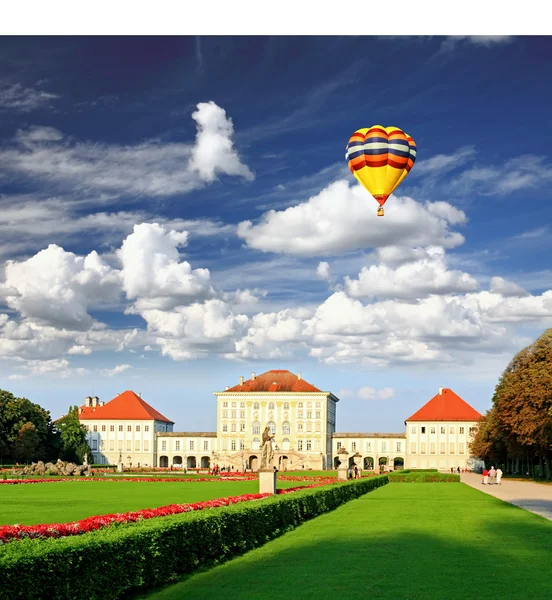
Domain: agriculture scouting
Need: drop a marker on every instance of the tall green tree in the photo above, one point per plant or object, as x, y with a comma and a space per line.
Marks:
27, 446
73, 444
14, 413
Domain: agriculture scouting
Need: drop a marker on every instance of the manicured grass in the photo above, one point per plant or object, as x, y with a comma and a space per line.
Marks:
414, 542
60, 502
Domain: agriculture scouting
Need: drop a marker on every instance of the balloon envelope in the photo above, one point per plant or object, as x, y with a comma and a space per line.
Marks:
380, 158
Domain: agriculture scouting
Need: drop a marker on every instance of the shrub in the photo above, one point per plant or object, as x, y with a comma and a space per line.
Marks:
110, 562
423, 477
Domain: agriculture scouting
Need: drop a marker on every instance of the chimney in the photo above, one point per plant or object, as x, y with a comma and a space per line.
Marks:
253, 376
227, 388
139, 394
80, 410
95, 401
241, 379
299, 375
88, 401
440, 390
102, 402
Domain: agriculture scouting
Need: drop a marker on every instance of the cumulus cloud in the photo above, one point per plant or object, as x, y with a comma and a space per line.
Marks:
501, 286
342, 217
116, 370
370, 393
428, 275
323, 271
152, 167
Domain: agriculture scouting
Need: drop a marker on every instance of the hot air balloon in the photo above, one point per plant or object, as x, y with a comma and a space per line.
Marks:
380, 158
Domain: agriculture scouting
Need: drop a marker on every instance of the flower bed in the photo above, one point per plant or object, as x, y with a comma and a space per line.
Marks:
57, 530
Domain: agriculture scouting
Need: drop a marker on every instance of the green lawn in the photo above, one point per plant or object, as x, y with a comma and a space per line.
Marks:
413, 542
30, 504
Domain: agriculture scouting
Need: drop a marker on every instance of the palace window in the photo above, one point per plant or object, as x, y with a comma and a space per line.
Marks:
353, 447
338, 445
433, 430
423, 448
94, 444
272, 427
225, 405
256, 444
242, 445
120, 428
443, 448
233, 414
137, 446
242, 427
399, 447
103, 427
192, 445
317, 445
129, 427
286, 428
317, 414
286, 405
473, 430
423, 429
87, 427
368, 446
271, 406
225, 428
256, 428
242, 404
460, 448
137, 427
451, 449
120, 445
177, 445
242, 414
112, 428
309, 444
413, 429
300, 414
233, 445
412, 447
224, 414
384, 446
309, 404
164, 445
309, 427
146, 445
299, 444
318, 405
432, 448
299, 405
451, 429
233, 428
461, 430
233, 405
318, 427
129, 446
95, 428
255, 406
146, 428
443, 430
309, 414
111, 445
300, 427
206, 444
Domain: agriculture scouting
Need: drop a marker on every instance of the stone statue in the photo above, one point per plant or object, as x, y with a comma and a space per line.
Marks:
267, 453
85, 463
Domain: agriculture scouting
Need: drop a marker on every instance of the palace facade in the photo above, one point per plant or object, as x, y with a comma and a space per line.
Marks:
300, 416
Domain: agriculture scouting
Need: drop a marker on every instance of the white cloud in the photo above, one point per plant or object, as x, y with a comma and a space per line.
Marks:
345, 393
79, 350
369, 393
428, 275
16, 97
56, 287
152, 167
343, 217
501, 286
487, 41
441, 163
116, 370
323, 271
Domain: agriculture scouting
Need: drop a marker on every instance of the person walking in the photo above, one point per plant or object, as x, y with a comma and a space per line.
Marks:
499, 476
356, 472
492, 476
485, 477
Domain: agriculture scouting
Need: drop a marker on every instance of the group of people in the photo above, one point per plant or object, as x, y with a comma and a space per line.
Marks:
459, 470
353, 473
492, 477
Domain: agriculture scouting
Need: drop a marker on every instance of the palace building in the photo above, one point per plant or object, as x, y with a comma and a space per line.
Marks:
300, 416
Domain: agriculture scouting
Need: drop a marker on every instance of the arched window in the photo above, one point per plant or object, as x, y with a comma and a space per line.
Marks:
255, 406
256, 428
272, 427
299, 427
271, 406
256, 444
286, 429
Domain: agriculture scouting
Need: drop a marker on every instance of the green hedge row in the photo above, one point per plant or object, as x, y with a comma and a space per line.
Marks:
423, 477
111, 562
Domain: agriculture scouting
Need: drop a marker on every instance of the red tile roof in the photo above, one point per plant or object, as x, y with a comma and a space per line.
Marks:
275, 381
127, 405
446, 407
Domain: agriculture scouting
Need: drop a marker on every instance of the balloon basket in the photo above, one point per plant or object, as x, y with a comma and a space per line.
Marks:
380, 211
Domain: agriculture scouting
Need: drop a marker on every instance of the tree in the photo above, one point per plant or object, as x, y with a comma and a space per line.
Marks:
14, 413
521, 417
27, 444
73, 444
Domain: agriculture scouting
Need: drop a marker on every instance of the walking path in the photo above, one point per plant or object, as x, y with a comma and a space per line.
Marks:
535, 497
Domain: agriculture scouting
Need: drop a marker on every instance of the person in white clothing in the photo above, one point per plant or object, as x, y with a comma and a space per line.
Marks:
498, 476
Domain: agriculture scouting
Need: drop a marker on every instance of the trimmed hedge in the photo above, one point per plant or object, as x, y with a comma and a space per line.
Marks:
113, 561
423, 477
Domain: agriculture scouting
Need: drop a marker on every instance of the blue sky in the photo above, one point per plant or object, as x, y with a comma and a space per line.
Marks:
177, 212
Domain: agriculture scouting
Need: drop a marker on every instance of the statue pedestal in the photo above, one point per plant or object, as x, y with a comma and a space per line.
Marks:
342, 473
120, 467
267, 481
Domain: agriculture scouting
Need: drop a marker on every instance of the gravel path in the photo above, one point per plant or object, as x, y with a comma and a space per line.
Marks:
535, 497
